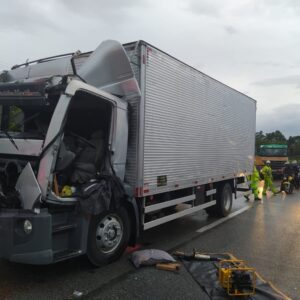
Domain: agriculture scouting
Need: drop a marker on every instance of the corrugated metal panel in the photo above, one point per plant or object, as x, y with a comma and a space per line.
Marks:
196, 128
131, 163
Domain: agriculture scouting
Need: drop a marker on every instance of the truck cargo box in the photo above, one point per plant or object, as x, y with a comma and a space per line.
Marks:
188, 128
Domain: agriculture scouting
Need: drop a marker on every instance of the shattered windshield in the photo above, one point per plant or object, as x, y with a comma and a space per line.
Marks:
25, 121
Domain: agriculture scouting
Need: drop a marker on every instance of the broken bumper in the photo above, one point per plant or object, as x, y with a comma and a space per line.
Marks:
33, 246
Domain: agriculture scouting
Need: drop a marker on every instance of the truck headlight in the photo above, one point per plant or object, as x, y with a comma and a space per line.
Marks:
27, 226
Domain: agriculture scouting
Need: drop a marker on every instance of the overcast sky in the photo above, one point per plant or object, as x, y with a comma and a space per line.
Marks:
251, 45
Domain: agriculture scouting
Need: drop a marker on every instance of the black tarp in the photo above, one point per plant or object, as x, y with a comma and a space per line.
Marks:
205, 273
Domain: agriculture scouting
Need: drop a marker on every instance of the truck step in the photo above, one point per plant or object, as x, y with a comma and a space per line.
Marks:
62, 228
66, 254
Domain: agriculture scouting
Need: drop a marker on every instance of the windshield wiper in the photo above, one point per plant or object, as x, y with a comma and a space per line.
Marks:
11, 139
22, 122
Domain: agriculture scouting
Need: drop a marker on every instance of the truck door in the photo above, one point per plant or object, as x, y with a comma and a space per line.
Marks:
78, 143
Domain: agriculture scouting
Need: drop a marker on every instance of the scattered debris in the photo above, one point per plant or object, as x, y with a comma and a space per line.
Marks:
168, 267
195, 256
135, 248
76, 295
150, 257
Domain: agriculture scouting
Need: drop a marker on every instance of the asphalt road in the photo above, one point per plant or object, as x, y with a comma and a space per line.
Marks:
267, 236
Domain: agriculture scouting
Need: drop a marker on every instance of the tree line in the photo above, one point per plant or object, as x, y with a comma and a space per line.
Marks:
276, 137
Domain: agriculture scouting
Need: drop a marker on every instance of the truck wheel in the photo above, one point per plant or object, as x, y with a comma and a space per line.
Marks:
224, 202
108, 236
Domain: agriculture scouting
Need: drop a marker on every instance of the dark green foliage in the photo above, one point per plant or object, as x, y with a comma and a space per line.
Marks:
4, 76
276, 137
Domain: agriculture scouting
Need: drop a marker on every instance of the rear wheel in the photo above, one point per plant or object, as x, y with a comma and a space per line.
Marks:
108, 236
224, 202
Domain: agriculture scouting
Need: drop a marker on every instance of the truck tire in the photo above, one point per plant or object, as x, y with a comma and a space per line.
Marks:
108, 236
224, 202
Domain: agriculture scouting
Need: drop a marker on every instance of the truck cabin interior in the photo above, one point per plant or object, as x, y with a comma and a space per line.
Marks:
83, 151
21, 120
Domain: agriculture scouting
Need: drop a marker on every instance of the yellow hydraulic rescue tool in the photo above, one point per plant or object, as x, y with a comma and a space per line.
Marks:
236, 278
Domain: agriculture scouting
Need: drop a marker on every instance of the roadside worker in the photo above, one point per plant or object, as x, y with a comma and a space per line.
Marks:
266, 172
255, 178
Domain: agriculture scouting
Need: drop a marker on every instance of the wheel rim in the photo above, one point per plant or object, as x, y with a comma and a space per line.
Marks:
109, 233
227, 200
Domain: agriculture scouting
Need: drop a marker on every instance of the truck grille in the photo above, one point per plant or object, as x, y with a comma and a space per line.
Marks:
277, 164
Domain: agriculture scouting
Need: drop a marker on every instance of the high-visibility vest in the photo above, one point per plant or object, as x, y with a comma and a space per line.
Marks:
267, 172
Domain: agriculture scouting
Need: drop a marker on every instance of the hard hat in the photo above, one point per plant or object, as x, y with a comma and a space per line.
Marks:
268, 162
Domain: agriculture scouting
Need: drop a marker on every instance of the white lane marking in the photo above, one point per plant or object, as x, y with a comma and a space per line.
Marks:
218, 222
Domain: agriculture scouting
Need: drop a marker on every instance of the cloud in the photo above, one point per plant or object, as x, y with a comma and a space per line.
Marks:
25, 16
108, 10
293, 79
284, 118
231, 8
230, 29
204, 7
268, 64
288, 6
35, 16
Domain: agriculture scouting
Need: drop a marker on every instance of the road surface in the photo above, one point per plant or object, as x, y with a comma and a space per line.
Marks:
266, 235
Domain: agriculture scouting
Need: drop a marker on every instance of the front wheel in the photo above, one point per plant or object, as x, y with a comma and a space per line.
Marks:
108, 236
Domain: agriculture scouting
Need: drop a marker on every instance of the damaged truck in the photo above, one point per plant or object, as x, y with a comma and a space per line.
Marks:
97, 147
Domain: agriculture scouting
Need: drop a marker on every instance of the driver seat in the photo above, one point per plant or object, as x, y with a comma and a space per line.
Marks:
85, 166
